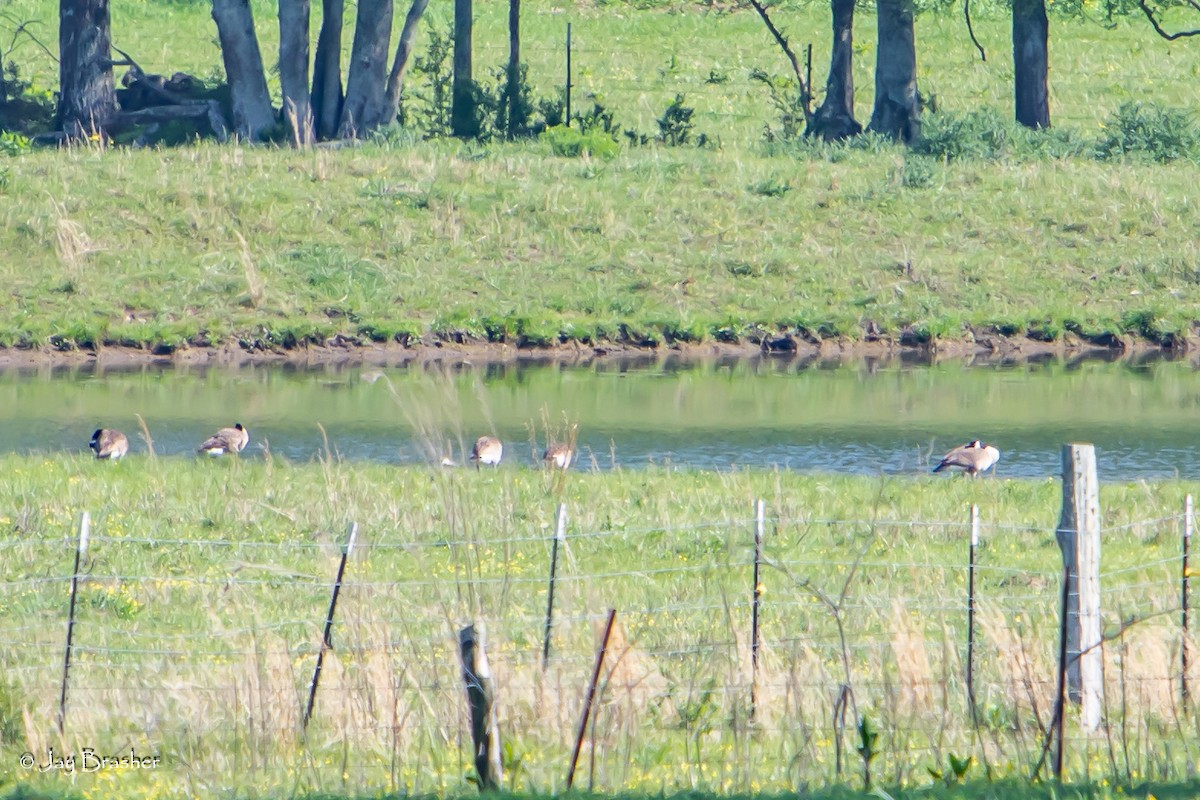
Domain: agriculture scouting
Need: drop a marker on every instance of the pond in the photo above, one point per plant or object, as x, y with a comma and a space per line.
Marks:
863, 416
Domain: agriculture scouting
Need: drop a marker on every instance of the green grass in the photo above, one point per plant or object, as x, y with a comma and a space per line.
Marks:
206, 585
972, 790
507, 242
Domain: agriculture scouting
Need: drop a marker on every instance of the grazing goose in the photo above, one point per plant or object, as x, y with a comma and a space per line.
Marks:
558, 455
109, 443
226, 440
973, 457
487, 450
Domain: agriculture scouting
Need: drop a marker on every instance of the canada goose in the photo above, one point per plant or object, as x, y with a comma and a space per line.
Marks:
226, 440
558, 455
973, 457
487, 450
109, 444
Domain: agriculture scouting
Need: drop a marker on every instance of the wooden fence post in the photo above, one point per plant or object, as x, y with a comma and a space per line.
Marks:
1079, 537
485, 736
85, 528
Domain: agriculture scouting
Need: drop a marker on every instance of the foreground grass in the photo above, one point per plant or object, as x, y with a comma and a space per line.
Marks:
206, 585
972, 790
506, 242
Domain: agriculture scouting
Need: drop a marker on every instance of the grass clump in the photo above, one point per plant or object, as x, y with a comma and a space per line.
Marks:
1148, 131
979, 134
573, 143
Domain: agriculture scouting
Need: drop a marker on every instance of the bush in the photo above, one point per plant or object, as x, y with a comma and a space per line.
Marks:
1049, 143
918, 172
675, 125
1145, 130
573, 143
981, 134
787, 102
24, 107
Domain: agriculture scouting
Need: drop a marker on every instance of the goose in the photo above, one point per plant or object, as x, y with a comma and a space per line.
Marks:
109, 443
558, 455
487, 450
973, 458
226, 440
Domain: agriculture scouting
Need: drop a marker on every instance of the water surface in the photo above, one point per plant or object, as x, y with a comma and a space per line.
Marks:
855, 417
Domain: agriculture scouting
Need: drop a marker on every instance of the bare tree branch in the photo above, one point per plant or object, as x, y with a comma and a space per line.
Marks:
805, 89
22, 28
1170, 37
971, 30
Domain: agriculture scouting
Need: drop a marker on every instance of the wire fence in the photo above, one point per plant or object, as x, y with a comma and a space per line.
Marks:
205, 646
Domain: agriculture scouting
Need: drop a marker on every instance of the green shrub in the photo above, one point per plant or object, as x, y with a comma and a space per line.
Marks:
14, 144
1147, 131
918, 172
788, 105
983, 134
24, 106
1029, 143
572, 143
1149, 324
675, 125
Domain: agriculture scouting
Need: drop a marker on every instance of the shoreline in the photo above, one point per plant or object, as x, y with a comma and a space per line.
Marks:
991, 349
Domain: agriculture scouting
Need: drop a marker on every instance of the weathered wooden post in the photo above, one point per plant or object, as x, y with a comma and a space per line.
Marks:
485, 736
1079, 538
85, 528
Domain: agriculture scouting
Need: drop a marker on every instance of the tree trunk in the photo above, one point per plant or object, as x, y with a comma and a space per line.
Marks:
1031, 62
252, 110
293, 69
463, 120
366, 83
514, 65
395, 84
897, 106
87, 97
327, 71
834, 120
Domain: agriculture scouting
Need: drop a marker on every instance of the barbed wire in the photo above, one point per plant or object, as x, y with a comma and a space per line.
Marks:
571, 535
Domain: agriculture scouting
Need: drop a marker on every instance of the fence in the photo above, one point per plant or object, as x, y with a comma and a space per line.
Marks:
205, 651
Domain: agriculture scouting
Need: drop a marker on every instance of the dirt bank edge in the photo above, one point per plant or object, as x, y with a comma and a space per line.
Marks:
448, 350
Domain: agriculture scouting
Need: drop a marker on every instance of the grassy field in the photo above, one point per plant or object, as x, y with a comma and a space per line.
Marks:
206, 585
265, 248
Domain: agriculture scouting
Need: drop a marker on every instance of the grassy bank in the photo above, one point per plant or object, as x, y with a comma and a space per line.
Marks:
206, 585
400, 239
217, 245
